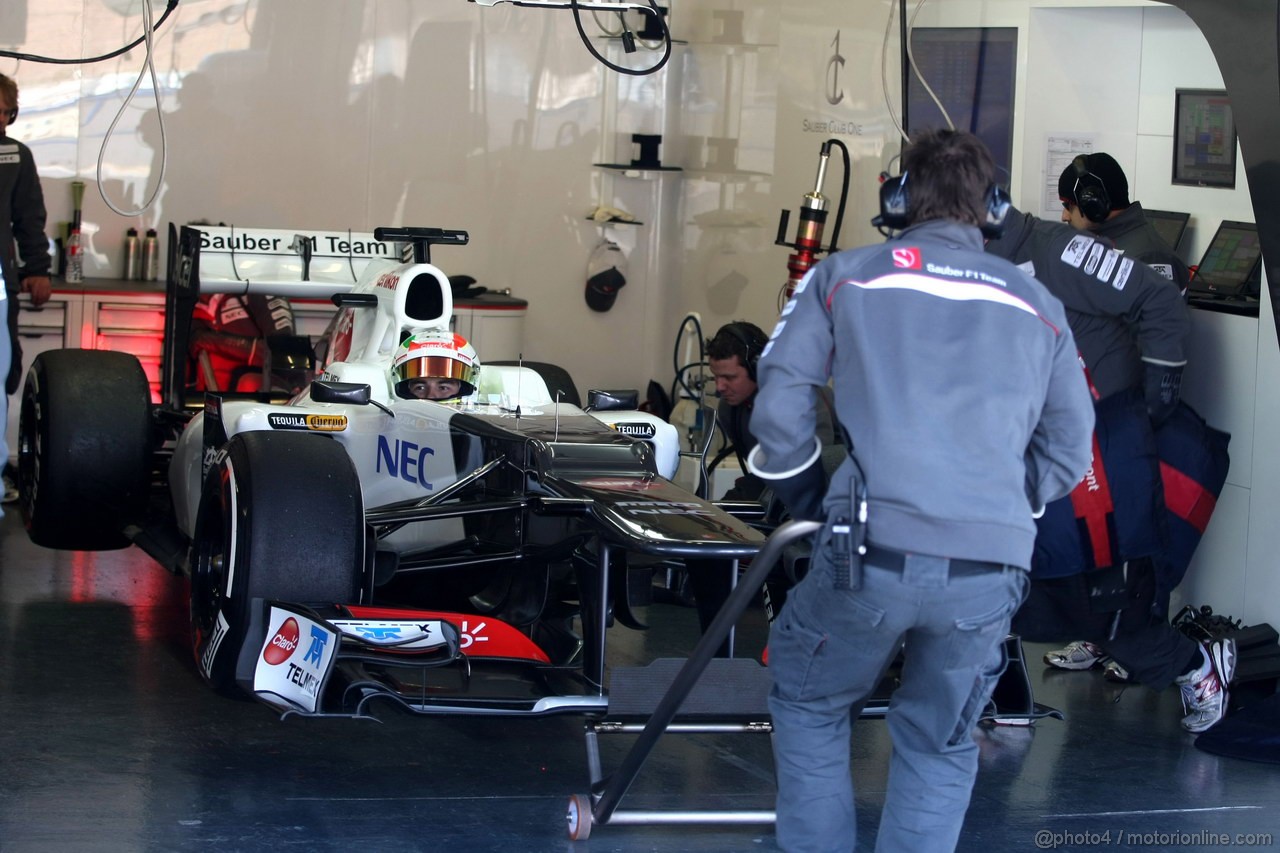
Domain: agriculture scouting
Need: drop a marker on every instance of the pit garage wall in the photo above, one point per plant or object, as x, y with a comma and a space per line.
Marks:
1124, 96
1110, 72
336, 114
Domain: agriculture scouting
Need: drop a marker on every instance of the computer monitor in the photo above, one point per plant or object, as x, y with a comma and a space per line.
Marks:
1170, 224
1232, 263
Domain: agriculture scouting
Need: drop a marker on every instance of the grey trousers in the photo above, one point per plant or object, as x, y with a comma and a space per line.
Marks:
827, 651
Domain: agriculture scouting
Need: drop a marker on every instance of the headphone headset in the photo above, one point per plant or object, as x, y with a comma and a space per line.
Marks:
895, 206
752, 341
1090, 192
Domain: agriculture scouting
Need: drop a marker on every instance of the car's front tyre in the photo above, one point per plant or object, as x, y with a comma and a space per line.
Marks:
281, 518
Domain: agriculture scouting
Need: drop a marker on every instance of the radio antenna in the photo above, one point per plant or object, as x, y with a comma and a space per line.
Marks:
519, 378
559, 394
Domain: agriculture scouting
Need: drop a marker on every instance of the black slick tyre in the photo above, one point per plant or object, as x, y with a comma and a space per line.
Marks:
85, 443
281, 518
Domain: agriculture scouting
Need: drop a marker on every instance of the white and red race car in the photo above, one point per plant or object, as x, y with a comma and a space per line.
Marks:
345, 544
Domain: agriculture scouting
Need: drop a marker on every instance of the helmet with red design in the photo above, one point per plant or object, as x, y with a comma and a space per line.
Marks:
435, 364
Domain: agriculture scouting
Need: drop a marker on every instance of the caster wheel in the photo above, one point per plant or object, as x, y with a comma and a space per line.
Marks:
579, 817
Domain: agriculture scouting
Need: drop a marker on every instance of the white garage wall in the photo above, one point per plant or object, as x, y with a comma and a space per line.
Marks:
336, 114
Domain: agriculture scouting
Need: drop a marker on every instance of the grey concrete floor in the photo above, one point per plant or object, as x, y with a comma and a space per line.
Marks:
110, 742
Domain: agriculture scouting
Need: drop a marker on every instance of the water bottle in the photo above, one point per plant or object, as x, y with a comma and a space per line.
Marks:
74, 272
132, 255
150, 256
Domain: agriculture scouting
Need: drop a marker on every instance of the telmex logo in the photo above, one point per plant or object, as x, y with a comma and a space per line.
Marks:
281, 647
637, 430
317, 423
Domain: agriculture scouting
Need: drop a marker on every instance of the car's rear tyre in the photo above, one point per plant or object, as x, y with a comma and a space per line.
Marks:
85, 441
281, 518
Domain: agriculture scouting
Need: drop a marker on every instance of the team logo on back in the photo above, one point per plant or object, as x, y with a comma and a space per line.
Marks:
907, 258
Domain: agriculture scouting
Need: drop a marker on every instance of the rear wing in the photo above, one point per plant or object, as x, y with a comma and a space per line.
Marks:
307, 264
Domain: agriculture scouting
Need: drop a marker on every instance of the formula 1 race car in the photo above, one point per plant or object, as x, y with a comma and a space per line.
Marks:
344, 543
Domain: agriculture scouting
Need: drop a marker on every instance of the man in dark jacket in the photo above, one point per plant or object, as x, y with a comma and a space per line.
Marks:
1131, 326
732, 354
1095, 197
22, 218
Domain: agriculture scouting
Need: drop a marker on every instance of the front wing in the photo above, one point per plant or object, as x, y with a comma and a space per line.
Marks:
337, 660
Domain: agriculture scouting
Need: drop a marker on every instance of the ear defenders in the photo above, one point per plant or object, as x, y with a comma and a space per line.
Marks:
1090, 192
894, 203
752, 345
895, 207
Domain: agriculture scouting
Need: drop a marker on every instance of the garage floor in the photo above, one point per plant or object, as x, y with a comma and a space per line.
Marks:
111, 743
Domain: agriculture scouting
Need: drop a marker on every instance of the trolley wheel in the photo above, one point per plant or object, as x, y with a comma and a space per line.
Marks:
579, 817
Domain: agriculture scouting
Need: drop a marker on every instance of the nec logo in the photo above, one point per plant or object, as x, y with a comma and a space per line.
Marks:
907, 259
404, 459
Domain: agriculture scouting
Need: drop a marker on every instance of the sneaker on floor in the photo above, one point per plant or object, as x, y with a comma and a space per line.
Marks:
10, 491
1204, 692
1113, 671
1077, 655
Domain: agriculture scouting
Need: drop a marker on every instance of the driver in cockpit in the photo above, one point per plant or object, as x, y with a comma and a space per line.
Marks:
435, 364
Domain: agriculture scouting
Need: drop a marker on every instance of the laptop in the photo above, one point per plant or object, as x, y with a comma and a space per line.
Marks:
1170, 224
1232, 265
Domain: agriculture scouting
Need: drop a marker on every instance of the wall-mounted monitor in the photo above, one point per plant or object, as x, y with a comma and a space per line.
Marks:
1231, 266
971, 70
1169, 224
1204, 139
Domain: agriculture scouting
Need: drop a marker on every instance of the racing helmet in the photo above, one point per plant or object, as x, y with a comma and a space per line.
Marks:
435, 354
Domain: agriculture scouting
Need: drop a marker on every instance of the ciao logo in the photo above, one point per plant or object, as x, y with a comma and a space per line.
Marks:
282, 645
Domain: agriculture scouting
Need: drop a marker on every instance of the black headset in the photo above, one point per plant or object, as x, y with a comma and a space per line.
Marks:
1090, 192
895, 206
752, 340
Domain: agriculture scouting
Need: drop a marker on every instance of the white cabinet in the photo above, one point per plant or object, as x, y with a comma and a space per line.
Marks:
39, 330
127, 322
106, 318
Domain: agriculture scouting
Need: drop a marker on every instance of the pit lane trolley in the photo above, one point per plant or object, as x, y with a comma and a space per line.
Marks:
719, 695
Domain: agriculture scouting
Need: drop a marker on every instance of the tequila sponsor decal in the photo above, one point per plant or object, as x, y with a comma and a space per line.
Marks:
636, 430
316, 423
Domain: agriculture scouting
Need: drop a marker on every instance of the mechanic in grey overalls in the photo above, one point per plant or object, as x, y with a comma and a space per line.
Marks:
957, 380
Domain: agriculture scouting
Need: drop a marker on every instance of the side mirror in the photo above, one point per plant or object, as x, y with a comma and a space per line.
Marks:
612, 401
353, 393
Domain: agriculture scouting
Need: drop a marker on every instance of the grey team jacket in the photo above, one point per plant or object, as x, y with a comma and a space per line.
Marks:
1134, 234
22, 214
1121, 311
957, 379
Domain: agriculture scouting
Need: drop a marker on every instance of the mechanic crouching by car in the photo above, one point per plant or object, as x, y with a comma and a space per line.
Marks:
733, 354
435, 365
957, 383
